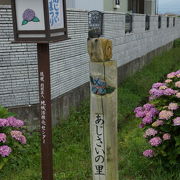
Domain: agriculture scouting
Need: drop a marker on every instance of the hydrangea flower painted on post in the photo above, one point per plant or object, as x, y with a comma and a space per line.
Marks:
28, 16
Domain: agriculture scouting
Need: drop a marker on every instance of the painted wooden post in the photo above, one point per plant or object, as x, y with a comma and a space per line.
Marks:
103, 117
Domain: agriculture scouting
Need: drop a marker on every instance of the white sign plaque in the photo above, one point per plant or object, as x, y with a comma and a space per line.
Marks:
98, 147
30, 15
56, 14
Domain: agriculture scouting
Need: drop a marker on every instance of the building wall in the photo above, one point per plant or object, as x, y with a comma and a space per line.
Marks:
150, 7
5, 2
69, 59
109, 6
86, 4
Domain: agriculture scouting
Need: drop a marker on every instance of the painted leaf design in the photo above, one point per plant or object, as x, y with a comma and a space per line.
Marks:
35, 19
24, 22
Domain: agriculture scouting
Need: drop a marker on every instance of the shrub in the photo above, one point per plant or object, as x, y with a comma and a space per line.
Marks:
11, 136
161, 120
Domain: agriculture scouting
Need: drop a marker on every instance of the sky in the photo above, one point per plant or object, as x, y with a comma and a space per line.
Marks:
169, 6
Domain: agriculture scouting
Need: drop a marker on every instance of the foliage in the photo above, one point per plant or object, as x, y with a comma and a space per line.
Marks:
161, 121
12, 140
72, 160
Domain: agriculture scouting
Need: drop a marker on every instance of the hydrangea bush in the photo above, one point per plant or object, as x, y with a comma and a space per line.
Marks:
161, 120
11, 136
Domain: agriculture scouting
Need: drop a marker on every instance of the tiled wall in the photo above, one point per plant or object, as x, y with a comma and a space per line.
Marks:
69, 59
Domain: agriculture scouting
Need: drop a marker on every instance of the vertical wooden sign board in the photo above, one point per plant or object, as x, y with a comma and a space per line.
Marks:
103, 117
45, 111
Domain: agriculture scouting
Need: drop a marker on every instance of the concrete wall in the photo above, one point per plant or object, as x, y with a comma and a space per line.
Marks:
69, 59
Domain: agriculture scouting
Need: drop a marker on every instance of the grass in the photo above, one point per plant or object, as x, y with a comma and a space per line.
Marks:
72, 158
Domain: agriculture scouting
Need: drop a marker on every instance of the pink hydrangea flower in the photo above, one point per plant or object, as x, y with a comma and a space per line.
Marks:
148, 153
177, 84
158, 123
18, 136
168, 80
176, 121
173, 106
178, 95
166, 136
5, 150
15, 122
156, 141
4, 123
150, 132
171, 75
165, 114
2, 137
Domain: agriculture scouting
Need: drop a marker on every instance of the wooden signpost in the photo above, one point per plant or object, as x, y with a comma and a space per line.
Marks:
103, 117
41, 22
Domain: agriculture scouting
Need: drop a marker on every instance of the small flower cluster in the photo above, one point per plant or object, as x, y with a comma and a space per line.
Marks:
160, 117
11, 122
161, 89
9, 133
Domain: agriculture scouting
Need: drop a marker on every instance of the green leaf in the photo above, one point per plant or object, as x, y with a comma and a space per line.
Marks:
24, 22
35, 19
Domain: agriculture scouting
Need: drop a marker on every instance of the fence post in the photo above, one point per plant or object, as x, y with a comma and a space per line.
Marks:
103, 116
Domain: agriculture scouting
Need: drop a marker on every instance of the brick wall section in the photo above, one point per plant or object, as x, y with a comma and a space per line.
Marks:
69, 59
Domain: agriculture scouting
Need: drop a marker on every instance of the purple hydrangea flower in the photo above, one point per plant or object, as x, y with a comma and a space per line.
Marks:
148, 153
169, 92
28, 15
141, 125
156, 92
147, 120
157, 85
148, 107
5, 150
176, 121
156, 141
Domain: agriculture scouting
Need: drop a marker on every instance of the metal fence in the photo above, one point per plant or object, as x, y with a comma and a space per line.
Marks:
147, 22
167, 22
159, 22
174, 21
95, 21
128, 23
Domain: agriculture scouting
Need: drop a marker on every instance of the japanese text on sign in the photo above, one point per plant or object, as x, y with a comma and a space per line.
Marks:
99, 150
42, 108
56, 14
